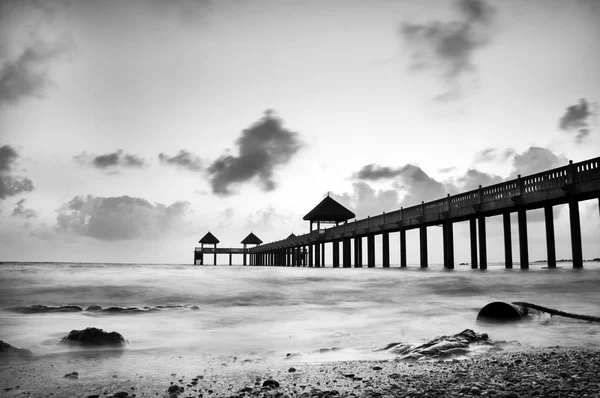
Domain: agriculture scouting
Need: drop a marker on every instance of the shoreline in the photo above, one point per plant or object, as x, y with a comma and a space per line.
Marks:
544, 372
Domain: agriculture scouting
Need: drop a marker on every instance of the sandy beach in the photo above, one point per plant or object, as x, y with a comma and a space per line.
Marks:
542, 372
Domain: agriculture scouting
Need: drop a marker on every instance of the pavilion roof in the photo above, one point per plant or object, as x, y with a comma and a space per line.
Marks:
329, 210
251, 239
292, 235
209, 238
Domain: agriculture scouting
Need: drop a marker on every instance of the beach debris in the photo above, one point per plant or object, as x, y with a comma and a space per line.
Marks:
499, 311
443, 347
41, 309
72, 376
270, 384
94, 337
7, 351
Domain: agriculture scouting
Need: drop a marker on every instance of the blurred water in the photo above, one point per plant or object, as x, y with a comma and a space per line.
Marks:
271, 311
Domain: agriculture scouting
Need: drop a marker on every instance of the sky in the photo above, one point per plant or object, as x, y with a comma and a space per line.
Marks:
129, 129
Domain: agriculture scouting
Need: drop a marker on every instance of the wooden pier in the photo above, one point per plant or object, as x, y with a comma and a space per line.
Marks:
565, 185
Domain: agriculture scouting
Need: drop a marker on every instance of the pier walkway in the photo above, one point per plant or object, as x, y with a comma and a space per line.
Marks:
564, 185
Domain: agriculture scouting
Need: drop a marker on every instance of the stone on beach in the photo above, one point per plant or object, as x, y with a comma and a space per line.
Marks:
7, 351
94, 337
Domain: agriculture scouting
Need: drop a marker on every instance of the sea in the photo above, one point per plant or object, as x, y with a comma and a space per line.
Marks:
271, 313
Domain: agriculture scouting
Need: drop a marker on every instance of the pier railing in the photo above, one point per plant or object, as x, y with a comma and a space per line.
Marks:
556, 178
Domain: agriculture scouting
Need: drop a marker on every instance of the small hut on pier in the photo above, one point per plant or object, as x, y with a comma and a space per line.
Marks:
328, 211
251, 239
208, 239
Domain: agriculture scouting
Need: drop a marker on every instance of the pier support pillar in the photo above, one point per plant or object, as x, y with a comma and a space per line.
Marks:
347, 253
385, 249
423, 245
523, 249
371, 251
482, 243
574, 221
550, 242
230, 257
336, 253
357, 252
402, 248
317, 254
508, 262
473, 234
310, 254
323, 254
448, 235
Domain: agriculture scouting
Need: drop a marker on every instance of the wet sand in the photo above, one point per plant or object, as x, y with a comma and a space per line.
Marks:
546, 372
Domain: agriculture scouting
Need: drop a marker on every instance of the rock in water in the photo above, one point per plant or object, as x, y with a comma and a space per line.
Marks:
94, 337
42, 309
499, 311
443, 347
94, 308
7, 351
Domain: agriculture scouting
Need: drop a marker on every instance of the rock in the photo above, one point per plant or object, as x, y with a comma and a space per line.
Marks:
270, 384
507, 395
444, 346
291, 370
475, 391
7, 351
175, 389
41, 309
121, 394
94, 337
72, 376
94, 308
376, 367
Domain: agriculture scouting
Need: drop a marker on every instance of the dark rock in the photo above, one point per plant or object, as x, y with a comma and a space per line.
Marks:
94, 337
72, 376
93, 396
270, 384
291, 370
41, 309
94, 308
175, 389
445, 346
120, 310
376, 367
7, 351
121, 394
501, 312
507, 395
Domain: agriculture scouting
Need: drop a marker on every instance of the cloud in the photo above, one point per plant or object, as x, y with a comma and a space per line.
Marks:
22, 212
575, 120
121, 218
373, 172
110, 160
449, 46
494, 154
11, 184
535, 160
263, 147
183, 159
473, 178
365, 201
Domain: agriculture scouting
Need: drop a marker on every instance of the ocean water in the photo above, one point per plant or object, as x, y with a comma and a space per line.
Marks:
268, 312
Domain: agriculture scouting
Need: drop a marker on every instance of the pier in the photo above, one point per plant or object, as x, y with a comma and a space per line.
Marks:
569, 185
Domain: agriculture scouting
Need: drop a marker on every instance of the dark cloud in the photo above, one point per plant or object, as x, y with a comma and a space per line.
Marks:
535, 160
121, 218
263, 147
472, 179
365, 201
110, 160
22, 212
576, 120
494, 154
11, 184
184, 159
449, 46
373, 172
